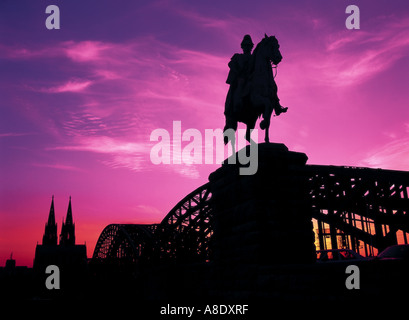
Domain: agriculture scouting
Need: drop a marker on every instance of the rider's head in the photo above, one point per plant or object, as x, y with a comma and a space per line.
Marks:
247, 44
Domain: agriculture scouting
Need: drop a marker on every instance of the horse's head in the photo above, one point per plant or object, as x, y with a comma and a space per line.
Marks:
272, 49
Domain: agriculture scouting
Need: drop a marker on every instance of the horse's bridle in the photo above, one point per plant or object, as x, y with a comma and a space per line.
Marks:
274, 66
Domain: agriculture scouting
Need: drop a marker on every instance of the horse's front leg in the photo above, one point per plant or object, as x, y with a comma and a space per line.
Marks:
266, 136
229, 133
265, 123
250, 126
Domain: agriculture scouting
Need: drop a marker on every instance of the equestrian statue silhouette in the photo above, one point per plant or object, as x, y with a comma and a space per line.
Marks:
253, 91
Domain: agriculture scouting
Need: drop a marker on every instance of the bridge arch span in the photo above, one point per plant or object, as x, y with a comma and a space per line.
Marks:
125, 242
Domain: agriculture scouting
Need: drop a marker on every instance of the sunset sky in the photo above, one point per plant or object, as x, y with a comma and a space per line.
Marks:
78, 104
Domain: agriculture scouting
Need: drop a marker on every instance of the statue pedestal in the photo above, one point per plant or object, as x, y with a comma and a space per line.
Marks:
265, 218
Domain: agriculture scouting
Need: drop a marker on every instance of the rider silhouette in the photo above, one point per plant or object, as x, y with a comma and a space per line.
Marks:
238, 79
239, 73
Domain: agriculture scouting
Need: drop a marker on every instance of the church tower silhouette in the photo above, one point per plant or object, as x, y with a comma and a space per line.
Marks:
67, 255
67, 236
50, 232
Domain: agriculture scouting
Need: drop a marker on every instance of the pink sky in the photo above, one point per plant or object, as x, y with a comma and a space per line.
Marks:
78, 104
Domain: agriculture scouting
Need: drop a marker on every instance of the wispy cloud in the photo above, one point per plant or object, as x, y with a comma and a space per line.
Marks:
118, 153
85, 51
25, 53
121, 154
132, 76
70, 86
136, 88
351, 58
130, 86
13, 134
394, 155
102, 144
58, 166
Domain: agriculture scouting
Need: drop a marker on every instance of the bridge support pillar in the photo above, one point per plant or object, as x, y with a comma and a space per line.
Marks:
265, 218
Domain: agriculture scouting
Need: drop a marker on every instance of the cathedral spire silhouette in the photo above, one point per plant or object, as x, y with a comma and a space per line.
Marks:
50, 232
67, 255
67, 236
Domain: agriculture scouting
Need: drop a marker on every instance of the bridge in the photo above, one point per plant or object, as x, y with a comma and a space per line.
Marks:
184, 234
362, 209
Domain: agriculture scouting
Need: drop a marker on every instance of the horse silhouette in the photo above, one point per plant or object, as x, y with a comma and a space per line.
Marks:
257, 96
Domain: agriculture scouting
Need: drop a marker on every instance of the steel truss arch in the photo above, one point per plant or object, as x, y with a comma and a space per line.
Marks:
359, 204
183, 234
187, 229
125, 242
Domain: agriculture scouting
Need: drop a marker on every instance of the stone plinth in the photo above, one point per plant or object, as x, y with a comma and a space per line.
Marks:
263, 218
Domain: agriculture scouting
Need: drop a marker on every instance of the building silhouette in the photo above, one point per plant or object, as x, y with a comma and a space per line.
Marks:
66, 255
